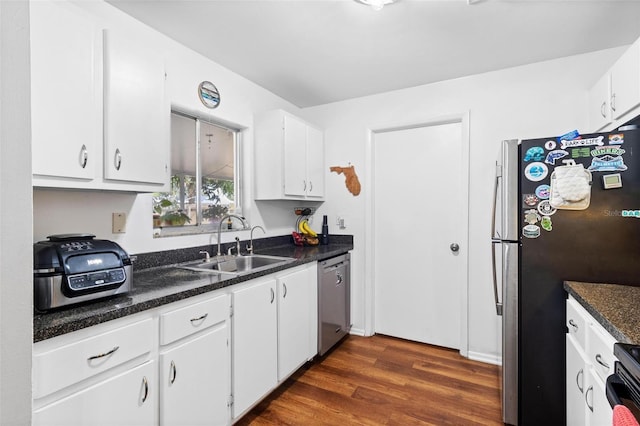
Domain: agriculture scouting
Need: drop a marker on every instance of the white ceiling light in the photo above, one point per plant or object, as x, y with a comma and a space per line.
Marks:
376, 4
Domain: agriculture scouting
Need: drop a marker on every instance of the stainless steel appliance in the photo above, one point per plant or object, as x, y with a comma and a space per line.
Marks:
623, 387
536, 247
334, 289
75, 268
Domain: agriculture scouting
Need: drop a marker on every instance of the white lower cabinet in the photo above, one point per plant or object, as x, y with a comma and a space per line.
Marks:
195, 378
297, 330
274, 333
205, 360
74, 374
576, 380
254, 340
590, 360
126, 399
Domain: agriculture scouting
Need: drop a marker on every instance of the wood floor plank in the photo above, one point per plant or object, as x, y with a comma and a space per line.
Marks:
382, 380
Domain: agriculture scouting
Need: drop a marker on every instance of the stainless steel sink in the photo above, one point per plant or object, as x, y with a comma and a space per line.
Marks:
236, 265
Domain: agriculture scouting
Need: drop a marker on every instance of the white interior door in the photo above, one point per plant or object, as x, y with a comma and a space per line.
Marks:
419, 212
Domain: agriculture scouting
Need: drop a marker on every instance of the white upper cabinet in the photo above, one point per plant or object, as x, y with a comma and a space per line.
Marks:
599, 103
100, 114
136, 111
615, 97
625, 82
289, 158
66, 98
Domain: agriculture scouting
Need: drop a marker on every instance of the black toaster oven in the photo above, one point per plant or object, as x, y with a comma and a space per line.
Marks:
75, 268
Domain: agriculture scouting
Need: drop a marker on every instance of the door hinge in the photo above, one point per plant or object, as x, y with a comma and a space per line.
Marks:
230, 401
230, 311
498, 170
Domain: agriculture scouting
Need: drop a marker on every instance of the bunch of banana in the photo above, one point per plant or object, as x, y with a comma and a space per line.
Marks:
304, 228
308, 235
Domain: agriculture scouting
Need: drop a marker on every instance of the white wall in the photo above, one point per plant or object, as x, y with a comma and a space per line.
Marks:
64, 211
537, 100
16, 252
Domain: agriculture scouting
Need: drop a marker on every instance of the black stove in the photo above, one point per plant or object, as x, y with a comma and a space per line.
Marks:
623, 387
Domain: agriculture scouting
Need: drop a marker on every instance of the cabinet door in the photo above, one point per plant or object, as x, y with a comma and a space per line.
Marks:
195, 381
66, 113
136, 112
598, 103
625, 81
576, 382
295, 154
254, 340
127, 399
294, 292
599, 411
315, 163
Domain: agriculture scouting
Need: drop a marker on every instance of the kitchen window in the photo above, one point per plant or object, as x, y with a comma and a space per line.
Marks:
204, 178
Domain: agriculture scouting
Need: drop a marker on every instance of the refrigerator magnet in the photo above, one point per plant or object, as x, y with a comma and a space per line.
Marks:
531, 231
531, 216
550, 145
545, 208
612, 181
555, 155
616, 139
530, 200
537, 171
543, 191
545, 223
535, 153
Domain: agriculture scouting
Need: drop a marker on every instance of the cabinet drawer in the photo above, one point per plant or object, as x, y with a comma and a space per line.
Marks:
58, 368
600, 350
577, 322
182, 322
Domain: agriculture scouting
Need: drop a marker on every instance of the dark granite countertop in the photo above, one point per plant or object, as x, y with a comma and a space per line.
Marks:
158, 285
616, 307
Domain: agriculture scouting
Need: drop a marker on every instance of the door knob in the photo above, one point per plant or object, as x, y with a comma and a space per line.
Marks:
454, 247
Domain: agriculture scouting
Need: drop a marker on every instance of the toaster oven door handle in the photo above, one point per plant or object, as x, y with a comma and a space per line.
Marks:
102, 355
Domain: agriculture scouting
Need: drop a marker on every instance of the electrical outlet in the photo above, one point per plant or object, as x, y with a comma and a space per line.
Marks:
118, 223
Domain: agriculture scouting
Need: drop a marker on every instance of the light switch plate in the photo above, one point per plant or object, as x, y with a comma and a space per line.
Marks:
118, 223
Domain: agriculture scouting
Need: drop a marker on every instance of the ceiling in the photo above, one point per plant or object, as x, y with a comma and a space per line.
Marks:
313, 52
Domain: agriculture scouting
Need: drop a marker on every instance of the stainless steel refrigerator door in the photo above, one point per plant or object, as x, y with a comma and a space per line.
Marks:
510, 333
507, 201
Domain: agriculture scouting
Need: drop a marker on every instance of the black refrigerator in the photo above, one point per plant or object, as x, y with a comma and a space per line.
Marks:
565, 209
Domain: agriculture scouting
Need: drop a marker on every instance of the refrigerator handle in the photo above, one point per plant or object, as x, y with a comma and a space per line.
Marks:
495, 201
495, 277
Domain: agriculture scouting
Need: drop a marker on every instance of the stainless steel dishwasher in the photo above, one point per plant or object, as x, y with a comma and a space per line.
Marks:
334, 301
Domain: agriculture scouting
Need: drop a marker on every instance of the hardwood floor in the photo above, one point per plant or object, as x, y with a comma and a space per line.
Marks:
382, 380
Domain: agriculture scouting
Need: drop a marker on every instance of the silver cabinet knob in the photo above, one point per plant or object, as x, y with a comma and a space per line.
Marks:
454, 247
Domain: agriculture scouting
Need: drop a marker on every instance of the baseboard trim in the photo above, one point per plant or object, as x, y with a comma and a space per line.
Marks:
486, 358
357, 331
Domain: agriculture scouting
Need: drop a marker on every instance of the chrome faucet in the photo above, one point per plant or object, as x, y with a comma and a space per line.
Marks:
222, 220
250, 246
207, 256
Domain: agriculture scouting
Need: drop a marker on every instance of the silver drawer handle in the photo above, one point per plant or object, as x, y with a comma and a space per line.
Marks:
200, 318
84, 156
174, 372
273, 295
117, 159
580, 380
586, 398
573, 324
284, 287
103, 354
145, 382
601, 361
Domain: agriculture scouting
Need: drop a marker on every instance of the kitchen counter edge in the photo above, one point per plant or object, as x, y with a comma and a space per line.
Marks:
616, 307
147, 296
